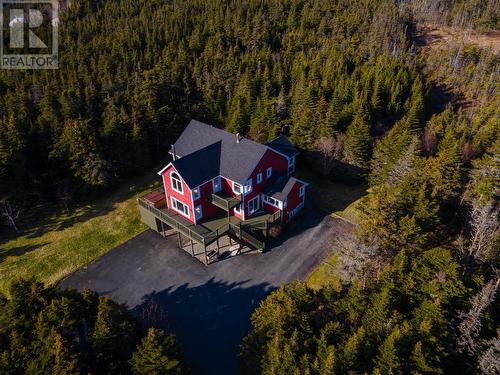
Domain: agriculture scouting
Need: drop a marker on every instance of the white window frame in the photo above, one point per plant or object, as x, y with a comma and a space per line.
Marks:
272, 201
234, 188
237, 209
302, 191
201, 212
256, 208
259, 177
172, 205
291, 164
196, 193
216, 181
269, 172
248, 186
176, 180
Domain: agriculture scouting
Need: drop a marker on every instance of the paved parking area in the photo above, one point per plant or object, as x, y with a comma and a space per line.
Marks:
208, 308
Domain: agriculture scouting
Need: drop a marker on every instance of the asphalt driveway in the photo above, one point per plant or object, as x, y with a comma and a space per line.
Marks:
208, 308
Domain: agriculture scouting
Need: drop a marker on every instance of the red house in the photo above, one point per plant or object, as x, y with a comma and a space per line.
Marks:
214, 169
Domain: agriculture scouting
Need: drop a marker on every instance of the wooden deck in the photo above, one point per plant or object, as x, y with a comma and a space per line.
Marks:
252, 231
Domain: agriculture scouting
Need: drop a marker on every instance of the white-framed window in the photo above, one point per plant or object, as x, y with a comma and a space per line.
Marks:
302, 191
236, 188
248, 186
179, 206
176, 183
259, 177
196, 193
216, 185
253, 205
237, 209
269, 172
271, 201
198, 212
291, 164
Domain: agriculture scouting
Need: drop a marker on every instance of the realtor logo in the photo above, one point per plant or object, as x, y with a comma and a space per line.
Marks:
29, 34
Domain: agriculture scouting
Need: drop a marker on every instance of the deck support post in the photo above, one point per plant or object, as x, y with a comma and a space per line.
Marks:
205, 251
179, 239
192, 247
162, 229
218, 247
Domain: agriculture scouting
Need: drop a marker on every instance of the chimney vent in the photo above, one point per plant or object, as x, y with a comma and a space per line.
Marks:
174, 157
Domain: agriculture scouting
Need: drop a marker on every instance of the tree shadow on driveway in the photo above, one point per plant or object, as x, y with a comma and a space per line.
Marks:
209, 320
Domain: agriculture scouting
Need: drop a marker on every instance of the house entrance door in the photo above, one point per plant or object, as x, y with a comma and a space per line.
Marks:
253, 205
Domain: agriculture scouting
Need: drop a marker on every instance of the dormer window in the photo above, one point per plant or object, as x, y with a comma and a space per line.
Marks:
176, 183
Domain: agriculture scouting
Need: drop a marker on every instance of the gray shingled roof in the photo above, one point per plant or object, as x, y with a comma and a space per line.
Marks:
206, 162
283, 146
280, 186
236, 160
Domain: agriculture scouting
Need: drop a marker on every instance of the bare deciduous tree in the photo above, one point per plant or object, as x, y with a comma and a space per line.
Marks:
470, 326
330, 148
489, 362
405, 163
484, 228
10, 212
326, 147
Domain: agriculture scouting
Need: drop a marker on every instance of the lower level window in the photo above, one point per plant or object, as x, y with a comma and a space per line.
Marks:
180, 207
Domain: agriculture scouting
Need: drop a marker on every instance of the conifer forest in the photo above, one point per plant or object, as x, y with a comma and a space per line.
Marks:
356, 83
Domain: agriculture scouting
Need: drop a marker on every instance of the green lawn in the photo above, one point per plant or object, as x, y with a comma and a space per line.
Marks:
336, 199
333, 197
61, 242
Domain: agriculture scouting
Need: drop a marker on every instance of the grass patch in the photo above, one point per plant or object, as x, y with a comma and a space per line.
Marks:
333, 197
60, 243
325, 274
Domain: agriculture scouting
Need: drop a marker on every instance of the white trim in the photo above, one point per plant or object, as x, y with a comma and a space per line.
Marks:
172, 199
164, 169
266, 199
255, 208
241, 188
172, 179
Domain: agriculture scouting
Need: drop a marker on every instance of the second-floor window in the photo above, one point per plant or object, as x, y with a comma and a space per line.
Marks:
291, 165
248, 186
196, 193
236, 188
176, 183
269, 172
259, 178
302, 191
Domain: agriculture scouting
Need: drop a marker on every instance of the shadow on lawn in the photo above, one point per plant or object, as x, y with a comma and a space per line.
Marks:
209, 320
18, 251
44, 219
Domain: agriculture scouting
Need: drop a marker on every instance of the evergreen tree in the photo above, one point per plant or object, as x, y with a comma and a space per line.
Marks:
157, 354
357, 146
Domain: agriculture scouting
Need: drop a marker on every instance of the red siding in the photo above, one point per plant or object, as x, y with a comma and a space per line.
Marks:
293, 200
208, 209
186, 197
270, 159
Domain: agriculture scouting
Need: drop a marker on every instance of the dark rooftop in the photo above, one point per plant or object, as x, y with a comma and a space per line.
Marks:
230, 158
283, 146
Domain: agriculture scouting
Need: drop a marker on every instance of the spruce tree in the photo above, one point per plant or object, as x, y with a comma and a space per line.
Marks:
357, 146
157, 354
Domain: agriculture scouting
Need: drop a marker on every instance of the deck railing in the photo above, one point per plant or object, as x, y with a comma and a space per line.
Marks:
240, 230
225, 203
172, 222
